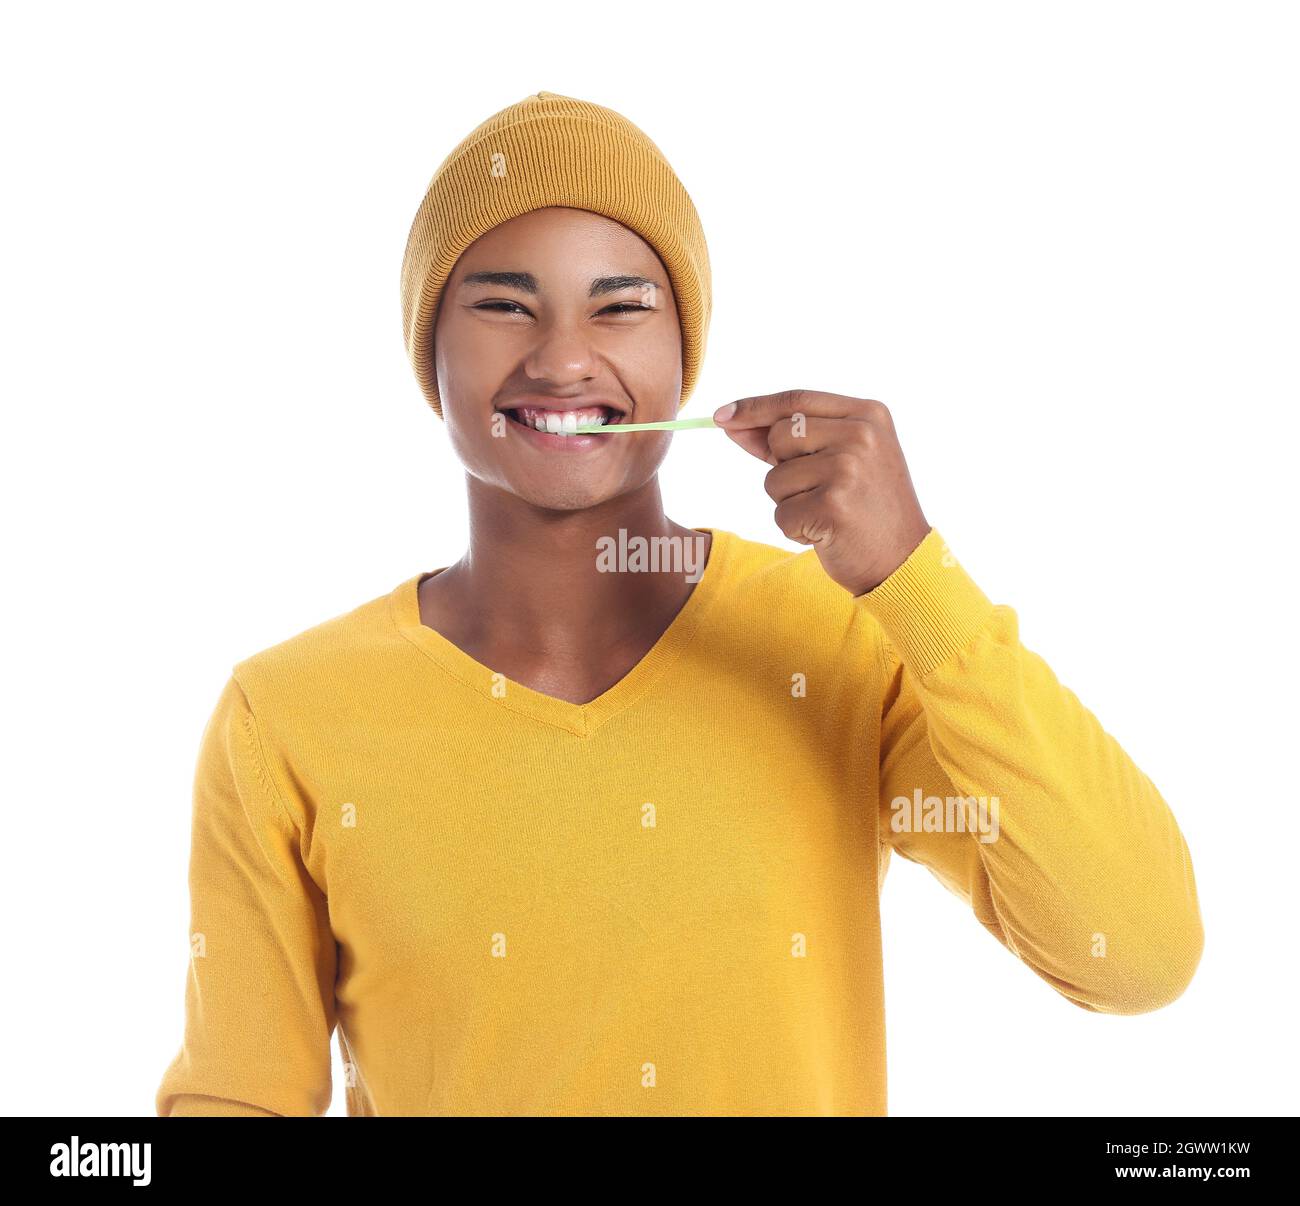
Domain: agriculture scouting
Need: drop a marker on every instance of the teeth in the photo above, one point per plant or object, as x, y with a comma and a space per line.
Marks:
565, 422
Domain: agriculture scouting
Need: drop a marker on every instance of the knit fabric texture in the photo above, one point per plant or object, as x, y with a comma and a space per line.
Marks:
553, 150
665, 900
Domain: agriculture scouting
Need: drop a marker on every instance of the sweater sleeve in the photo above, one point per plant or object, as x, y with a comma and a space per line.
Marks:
259, 995
1068, 855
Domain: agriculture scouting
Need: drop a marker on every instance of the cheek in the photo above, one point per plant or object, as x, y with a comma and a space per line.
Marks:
661, 350
455, 359
467, 354
652, 377
471, 438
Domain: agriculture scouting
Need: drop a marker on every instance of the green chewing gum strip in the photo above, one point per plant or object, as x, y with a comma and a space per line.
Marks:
667, 425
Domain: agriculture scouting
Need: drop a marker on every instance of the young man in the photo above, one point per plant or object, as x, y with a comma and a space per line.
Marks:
595, 820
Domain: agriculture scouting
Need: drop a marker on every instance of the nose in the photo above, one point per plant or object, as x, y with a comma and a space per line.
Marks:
563, 354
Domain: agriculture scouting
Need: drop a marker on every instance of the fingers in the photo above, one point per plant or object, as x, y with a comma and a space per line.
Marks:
806, 519
803, 435
766, 409
800, 422
754, 441
803, 473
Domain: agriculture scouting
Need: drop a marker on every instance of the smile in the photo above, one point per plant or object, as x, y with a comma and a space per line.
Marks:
562, 422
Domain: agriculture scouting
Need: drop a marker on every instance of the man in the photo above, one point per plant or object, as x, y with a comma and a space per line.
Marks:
595, 820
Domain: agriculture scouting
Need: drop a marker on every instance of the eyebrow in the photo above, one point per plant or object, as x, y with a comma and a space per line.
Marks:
526, 282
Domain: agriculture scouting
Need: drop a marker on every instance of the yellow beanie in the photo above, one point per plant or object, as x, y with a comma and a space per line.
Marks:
553, 150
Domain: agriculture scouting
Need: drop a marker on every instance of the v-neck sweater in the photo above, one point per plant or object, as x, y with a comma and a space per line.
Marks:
665, 900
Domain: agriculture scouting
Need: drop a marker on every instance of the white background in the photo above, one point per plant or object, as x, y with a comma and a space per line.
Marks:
1058, 240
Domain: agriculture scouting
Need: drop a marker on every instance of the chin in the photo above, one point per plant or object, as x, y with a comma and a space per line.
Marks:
561, 498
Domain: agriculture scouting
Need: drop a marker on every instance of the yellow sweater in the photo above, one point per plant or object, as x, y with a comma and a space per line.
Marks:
663, 901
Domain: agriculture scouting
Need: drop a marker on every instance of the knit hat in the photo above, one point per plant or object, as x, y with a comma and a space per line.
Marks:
553, 150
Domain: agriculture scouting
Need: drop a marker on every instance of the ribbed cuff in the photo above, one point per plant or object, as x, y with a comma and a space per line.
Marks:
929, 607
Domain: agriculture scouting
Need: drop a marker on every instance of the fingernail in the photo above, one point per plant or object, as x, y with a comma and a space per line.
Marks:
723, 413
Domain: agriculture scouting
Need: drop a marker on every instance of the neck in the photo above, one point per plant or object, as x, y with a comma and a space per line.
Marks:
532, 575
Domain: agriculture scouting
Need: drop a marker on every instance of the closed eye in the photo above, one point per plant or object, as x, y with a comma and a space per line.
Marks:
494, 305
617, 308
